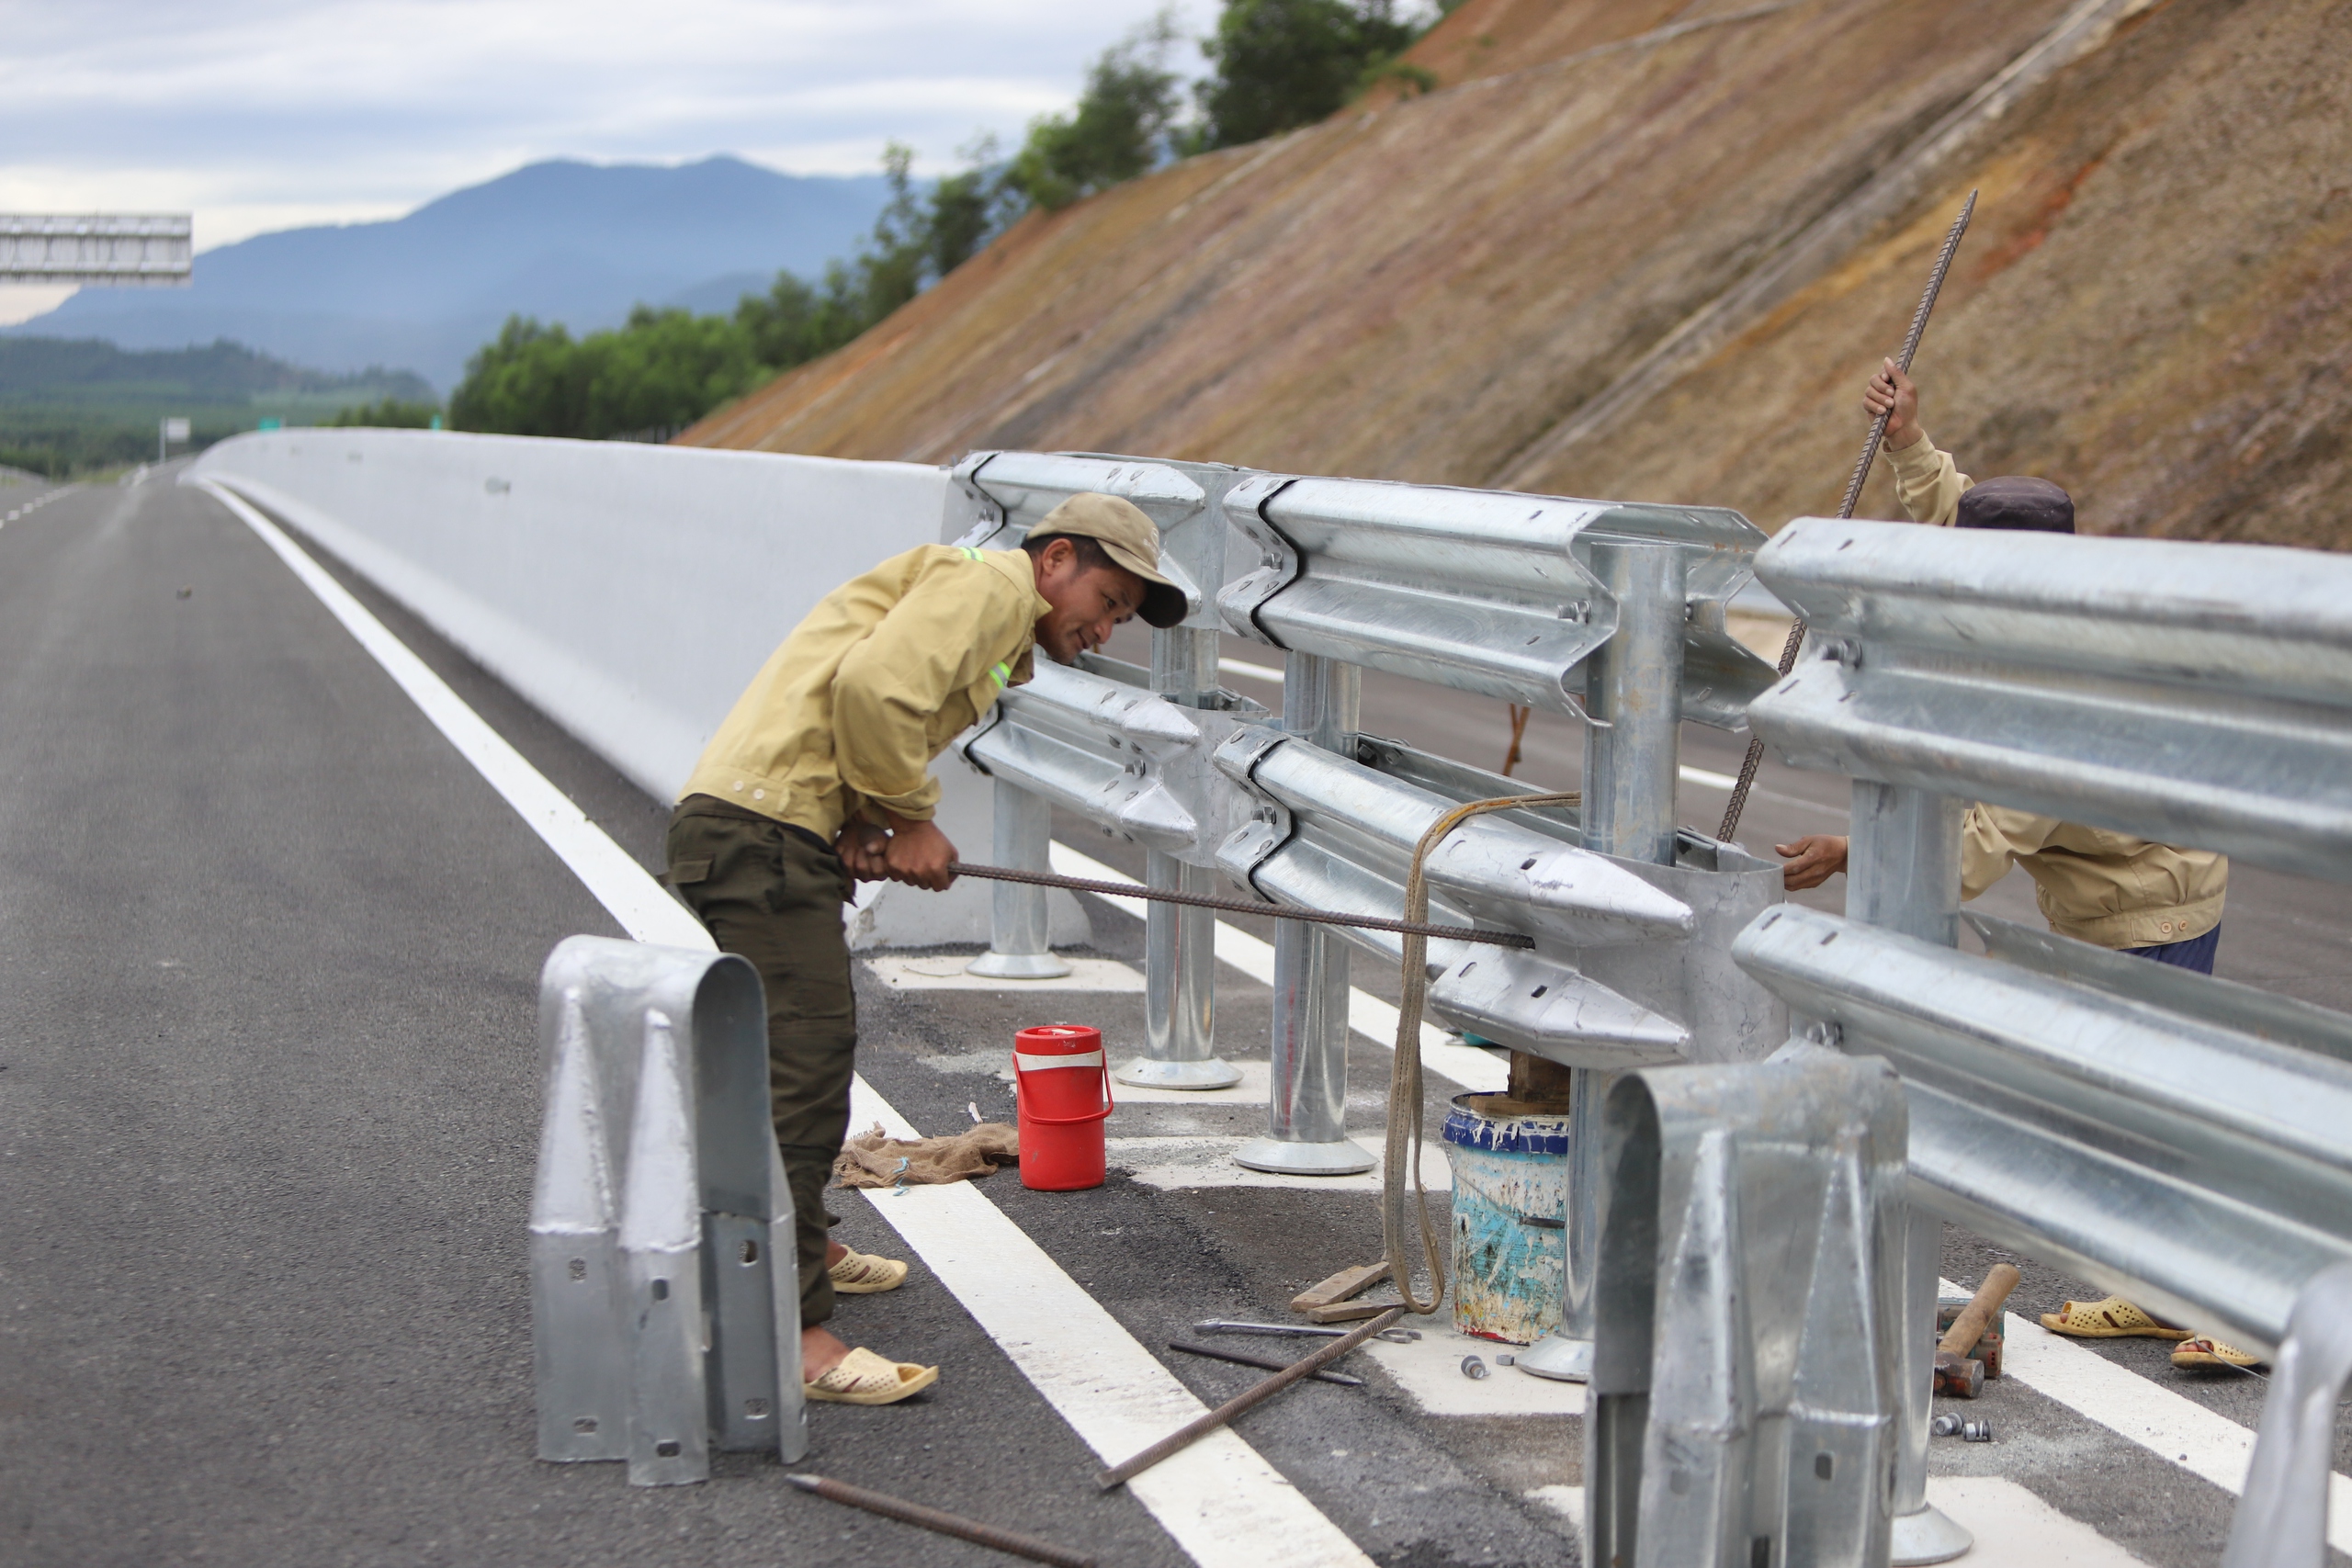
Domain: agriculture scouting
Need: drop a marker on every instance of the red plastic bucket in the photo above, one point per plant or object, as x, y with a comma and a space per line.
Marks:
1064, 1093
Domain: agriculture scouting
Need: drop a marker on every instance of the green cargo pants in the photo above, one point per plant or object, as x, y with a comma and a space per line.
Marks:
774, 894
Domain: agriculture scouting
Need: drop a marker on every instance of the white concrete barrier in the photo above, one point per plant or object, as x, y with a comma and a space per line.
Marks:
629, 591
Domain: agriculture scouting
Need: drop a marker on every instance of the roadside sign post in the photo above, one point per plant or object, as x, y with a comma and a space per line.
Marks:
167, 432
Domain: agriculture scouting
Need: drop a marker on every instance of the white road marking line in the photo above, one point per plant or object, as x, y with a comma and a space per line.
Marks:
945, 973
1249, 671
1224, 1504
2017, 1530
1429, 1370
1220, 1499
1367, 1014
1180, 1162
1565, 1501
1711, 780
2014, 1528
1253, 1090
2173, 1427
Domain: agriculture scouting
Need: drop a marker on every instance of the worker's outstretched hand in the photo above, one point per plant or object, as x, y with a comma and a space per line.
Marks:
919, 855
1813, 859
1894, 394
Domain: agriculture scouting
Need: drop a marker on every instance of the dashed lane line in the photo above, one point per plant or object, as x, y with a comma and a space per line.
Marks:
1367, 1015
1223, 1505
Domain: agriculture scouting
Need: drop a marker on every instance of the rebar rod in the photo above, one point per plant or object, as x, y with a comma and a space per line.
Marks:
1193, 1431
915, 1514
1755, 756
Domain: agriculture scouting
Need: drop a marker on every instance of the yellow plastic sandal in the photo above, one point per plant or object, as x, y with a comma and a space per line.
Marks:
2113, 1318
863, 1378
863, 1274
2202, 1351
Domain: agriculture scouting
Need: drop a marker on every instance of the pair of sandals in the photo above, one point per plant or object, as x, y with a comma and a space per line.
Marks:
2116, 1318
861, 1377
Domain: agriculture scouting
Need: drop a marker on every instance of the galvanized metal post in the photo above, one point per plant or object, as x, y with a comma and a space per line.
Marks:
1018, 947
1631, 762
1180, 986
2282, 1519
1306, 1096
1903, 873
1180, 944
1634, 698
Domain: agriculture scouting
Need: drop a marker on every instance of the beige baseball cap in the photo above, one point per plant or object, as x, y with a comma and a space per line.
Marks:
1128, 537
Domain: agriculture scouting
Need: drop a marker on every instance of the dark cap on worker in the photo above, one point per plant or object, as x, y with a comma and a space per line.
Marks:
1128, 537
2017, 502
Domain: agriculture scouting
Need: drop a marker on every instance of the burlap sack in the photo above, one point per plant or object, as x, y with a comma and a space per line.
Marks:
873, 1158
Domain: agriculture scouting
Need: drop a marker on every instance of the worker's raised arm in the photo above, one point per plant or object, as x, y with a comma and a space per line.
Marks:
1927, 482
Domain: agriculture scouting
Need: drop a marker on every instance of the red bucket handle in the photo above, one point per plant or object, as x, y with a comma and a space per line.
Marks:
1103, 1066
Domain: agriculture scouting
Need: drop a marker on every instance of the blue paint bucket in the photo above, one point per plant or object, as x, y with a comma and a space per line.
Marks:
1510, 1217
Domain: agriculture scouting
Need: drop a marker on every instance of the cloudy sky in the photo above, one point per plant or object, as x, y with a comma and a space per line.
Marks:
267, 114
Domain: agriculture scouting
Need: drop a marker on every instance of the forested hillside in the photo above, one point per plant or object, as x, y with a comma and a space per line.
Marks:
68, 405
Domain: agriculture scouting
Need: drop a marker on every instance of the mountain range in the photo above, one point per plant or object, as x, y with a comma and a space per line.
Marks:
562, 241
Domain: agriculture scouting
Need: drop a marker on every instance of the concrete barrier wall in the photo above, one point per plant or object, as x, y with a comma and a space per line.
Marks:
629, 591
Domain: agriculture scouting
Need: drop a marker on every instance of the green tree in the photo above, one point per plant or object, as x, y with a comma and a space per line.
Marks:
1120, 128
1279, 64
659, 372
388, 413
968, 210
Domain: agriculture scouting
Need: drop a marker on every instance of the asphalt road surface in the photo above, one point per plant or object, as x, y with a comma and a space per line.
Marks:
268, 1105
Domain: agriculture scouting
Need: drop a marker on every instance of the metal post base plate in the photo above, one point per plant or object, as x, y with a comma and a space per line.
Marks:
1559, 1358
1145, 1073
1929, 1536
1280, 1159
1017, 967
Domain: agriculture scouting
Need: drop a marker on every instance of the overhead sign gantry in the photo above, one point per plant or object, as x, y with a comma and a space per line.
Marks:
138, 249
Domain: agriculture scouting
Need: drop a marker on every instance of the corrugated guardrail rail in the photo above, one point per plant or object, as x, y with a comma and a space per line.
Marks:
2177, 1138
1613, 611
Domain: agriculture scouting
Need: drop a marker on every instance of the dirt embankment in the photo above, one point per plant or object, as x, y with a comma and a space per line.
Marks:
1647, 249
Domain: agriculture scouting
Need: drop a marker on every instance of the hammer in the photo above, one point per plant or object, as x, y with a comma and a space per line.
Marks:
1958, 1374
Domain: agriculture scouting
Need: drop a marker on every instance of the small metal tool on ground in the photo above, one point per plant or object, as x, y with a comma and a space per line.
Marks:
1244, 1358
1473, 1367
1193, 1431
945, 1524
1755, 756
1957, 1375
1966, 1431
1221, 1326
1238, 906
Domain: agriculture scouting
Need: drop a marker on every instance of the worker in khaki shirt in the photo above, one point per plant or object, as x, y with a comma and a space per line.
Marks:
820, 777
2109, 889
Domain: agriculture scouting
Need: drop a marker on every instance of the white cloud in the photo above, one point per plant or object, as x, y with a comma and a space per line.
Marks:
266, 114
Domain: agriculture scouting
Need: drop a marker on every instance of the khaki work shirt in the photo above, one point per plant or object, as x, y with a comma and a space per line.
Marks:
871, 685
2110, 889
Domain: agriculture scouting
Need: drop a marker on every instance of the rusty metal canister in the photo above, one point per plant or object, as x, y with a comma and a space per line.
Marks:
1511, 1192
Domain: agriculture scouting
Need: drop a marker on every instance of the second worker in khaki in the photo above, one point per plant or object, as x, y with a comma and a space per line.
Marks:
820, 777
